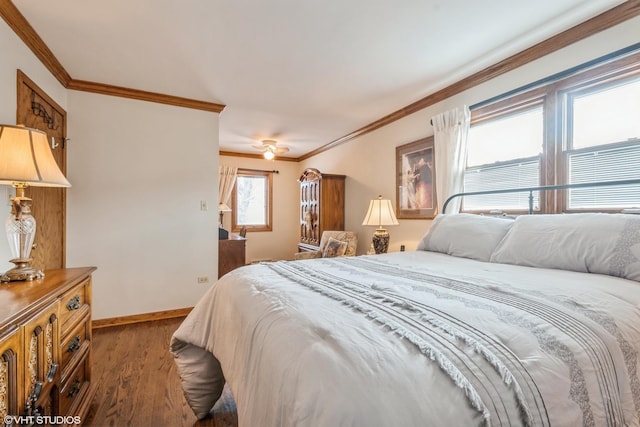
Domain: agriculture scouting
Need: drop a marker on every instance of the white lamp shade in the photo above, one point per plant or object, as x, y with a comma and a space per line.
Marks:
380, 213
222, 207
25, 157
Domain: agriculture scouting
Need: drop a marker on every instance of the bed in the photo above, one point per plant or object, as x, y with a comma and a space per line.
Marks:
492, 321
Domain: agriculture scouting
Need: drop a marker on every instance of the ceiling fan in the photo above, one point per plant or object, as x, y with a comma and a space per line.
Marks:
270, 148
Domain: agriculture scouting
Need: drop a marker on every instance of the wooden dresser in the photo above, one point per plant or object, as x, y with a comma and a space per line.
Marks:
45, 348
231, 254
321, 207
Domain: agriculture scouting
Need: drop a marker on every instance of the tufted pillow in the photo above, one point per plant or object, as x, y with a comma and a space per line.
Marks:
334, 248
465, 235
588, 242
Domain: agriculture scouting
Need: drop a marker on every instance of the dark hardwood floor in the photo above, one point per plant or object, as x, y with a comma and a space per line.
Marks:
138, 384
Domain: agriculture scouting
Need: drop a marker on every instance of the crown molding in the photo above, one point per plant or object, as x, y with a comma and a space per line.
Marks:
257, 156
123, 92
605, 20
28, 35
23, 29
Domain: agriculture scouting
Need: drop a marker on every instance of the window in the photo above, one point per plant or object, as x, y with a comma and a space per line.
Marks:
604, 144
574, 127
504, 152
251, 199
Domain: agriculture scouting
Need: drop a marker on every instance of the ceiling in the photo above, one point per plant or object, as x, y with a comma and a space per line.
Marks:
304, 73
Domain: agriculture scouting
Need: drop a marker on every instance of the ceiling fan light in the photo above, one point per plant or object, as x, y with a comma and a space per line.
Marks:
269, 155
270, 143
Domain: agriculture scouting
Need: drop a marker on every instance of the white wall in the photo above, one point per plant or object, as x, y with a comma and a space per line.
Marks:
281, 242
15, 55
139, 171
138, 218
369, 161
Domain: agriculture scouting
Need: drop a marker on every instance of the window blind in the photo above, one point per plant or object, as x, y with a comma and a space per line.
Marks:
517, 174
609, 164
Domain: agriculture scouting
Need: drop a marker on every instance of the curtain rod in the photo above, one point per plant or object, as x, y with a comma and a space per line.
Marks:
629, 50
259, 170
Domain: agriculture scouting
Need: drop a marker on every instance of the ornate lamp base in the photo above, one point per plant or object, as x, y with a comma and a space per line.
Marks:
381, 241
21, 230
21, 272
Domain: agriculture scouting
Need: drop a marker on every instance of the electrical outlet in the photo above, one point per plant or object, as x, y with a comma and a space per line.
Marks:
203, 205
203, 279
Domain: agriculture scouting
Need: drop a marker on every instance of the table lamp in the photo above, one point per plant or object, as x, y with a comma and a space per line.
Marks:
380, 213
223, 234
222, 208
25, 160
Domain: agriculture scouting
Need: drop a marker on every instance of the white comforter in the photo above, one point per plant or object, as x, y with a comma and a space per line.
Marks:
414, 339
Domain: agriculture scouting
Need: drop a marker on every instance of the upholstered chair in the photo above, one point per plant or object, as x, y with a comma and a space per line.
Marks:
333, 244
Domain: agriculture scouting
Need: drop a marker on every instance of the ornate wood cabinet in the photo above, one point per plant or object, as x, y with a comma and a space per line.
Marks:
9, 367
321, 207
45, 348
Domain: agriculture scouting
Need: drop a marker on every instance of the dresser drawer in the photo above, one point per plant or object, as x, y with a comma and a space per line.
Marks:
74, 388
10, 359
74, 302
73, 345
41, 341
39, 321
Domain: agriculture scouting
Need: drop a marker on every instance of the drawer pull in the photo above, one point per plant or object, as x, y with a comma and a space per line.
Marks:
74, 344
30, 407
74, 303
53, 368
35, 392
74, 388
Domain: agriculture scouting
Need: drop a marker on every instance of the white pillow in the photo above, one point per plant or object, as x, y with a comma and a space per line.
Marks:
590, 242
465, 235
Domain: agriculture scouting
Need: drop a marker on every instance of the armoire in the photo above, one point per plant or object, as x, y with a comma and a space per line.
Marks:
321, 206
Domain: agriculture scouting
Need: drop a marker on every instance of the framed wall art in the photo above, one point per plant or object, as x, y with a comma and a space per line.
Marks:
415, 176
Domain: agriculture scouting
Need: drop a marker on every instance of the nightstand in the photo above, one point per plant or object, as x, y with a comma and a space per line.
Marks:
231, 254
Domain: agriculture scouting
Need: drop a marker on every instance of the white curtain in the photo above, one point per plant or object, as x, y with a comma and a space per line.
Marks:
225, 186
450, 148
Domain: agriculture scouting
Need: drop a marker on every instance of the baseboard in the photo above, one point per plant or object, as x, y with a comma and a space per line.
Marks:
138, 318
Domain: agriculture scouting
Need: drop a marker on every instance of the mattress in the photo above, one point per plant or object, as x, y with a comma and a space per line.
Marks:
414, 339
